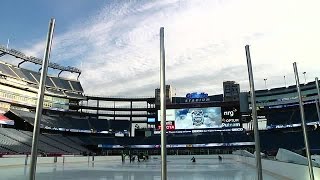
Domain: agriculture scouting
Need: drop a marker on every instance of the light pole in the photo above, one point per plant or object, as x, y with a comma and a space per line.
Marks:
285, 82
36, 129
303, 122
254, 115
304, 75
265, 82
163, 108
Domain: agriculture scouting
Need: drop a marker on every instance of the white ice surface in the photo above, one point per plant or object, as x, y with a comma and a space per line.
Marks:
181, 169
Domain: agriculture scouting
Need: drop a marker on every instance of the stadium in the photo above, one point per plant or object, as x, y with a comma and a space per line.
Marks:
80, 128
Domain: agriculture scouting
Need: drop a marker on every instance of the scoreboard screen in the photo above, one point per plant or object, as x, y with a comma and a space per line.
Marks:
201, 118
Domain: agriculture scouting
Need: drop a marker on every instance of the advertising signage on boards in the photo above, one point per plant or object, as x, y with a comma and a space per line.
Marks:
152, 146
230, 116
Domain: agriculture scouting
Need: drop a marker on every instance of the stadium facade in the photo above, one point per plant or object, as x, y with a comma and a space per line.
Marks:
75, 123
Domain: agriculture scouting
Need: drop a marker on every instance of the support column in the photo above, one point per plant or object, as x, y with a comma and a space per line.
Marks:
317, 102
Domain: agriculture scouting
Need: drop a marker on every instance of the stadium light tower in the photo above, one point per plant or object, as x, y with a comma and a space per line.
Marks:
305, 79
265, 82
8, 42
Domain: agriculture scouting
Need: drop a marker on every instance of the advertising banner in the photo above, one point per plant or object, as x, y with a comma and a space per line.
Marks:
5, 120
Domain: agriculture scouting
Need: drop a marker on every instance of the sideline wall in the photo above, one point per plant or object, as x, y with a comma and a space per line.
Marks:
288, 170
18, 161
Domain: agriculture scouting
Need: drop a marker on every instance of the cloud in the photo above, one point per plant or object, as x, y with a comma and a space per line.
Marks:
118, 48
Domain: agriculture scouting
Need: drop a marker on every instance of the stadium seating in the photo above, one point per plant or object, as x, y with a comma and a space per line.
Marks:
272, 140
78, 140
291, 115
60, 120
13, 145
69, 145
76, 86
16, 141
5, 151
5, 70
34, 78
61, 84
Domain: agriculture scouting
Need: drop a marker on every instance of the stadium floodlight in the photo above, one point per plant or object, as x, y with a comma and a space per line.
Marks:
163, 108
8, 42
303, 122
254, 115
36, 128
304, 75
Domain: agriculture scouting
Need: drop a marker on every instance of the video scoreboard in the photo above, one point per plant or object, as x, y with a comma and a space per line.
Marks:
207, 119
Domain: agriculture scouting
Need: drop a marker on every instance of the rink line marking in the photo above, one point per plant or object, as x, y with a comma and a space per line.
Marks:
19, 165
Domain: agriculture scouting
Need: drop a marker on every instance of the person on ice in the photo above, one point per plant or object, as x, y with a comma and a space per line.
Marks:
220, 158
193, 159
123, 156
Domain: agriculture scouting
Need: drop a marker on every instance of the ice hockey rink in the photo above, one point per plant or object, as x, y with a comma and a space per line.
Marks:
178, 169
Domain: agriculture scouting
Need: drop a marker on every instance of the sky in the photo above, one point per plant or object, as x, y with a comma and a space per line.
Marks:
116, 43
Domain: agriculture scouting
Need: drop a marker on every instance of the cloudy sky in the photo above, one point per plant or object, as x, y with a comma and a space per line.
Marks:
116, 43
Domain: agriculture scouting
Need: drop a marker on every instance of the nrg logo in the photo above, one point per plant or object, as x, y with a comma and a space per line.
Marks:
230, 113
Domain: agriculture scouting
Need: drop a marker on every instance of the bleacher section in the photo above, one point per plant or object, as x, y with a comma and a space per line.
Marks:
274, 139
51, 121
76, 86
16, 141
72, 87
290, 115
5, 70
61, 84
72, 145
77, 140
5, 151
13, 144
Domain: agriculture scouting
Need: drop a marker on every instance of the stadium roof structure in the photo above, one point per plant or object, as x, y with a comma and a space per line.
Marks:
120, 98
35, 60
